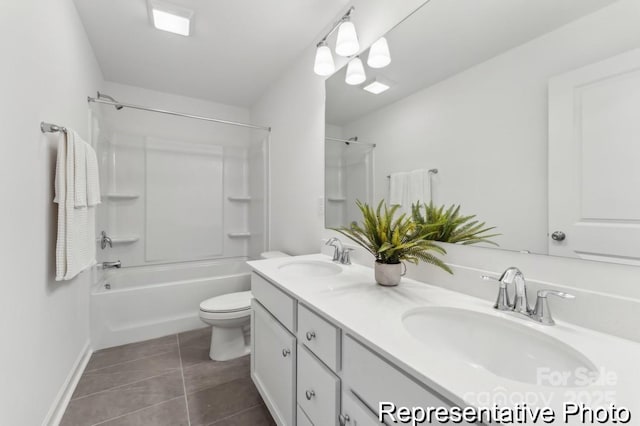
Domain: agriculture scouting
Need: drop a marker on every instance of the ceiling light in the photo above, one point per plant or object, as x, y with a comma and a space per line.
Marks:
355, 72
376, 87
347, 43
171, 18
324, 64
379, 56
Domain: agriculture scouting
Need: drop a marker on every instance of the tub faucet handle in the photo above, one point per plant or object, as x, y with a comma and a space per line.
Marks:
109, 265
105, 240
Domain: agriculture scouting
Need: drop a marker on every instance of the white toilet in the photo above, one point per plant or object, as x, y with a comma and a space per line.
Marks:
229, 316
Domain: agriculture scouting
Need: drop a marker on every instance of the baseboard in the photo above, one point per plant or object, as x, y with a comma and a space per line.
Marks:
54, 416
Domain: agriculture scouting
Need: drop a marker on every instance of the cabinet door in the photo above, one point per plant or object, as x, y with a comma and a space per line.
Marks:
273, 363
318, 390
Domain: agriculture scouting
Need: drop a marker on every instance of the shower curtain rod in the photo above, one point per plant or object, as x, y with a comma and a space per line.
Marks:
178, 114
347, 141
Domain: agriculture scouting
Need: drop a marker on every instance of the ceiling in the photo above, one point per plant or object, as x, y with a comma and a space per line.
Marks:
445, 37
237, 48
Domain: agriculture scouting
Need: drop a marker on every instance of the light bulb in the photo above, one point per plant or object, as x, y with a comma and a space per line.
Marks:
347, 43
324, 64
355, 72
379, 56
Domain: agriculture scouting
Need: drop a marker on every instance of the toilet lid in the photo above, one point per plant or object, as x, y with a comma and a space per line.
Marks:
231, 302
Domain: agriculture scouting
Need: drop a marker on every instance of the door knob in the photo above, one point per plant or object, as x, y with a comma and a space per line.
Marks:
558, 236
309, 394
286, 352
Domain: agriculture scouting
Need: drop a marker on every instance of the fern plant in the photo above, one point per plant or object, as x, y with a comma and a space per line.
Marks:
450, 226
392, 240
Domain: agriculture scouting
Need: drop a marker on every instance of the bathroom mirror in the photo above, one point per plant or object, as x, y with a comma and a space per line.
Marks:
524, 113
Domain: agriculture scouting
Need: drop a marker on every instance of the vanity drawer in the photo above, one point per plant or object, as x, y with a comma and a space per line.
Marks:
279, 304
318, 390
373, 380
354, 413
302, 419
320, 336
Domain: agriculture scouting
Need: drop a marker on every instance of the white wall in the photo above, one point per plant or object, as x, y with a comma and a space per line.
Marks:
485, 129
47, 71
294, 106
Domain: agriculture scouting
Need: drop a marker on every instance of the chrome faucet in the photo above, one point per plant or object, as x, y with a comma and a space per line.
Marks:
541, 312
340, 253
104, 240
520, 304
110, 265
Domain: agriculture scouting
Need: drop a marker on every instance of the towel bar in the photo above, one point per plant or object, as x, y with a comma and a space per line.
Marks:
51, 128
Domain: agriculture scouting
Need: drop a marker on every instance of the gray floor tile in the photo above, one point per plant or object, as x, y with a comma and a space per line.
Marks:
256, 416
196, 336
122, 400
133, 351
127, 372
194, 346
213, 404
170, 413
214, 373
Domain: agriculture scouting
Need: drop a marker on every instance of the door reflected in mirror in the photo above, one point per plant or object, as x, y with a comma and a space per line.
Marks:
528, 110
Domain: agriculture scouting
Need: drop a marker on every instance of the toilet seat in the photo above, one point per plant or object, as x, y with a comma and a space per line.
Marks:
230, 303
245, 313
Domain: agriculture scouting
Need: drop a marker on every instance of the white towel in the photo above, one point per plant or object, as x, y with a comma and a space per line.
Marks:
418, 191
75, 246
398, 189
80, 171
93, 180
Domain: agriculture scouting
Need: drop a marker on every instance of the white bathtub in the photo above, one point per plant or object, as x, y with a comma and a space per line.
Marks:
134, 304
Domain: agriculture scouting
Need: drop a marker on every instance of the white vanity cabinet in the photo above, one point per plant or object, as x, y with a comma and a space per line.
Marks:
273, 364
310, 372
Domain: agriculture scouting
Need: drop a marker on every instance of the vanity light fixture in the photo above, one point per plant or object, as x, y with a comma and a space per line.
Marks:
376, 87
346, 45
355, 72
169, 17
324, 64
379, 56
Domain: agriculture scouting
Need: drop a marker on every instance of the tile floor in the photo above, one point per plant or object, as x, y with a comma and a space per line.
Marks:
167, 381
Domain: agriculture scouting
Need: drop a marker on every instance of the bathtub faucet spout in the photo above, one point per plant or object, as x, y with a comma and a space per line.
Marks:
110, 265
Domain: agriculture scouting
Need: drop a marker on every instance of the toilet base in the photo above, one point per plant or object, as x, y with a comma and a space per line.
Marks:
229, 343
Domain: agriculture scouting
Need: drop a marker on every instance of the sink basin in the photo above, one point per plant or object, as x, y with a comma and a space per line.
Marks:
505, 348
311, 268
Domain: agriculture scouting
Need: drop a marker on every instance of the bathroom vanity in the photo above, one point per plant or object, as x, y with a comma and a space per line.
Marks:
329, 345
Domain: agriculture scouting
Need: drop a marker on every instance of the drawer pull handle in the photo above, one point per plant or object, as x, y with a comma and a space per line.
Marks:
286, 352
344, 419
309, 394
311, 335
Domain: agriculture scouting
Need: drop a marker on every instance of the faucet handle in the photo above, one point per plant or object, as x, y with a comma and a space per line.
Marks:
502, 302
542, 312
345, 258
490, 278
544, 293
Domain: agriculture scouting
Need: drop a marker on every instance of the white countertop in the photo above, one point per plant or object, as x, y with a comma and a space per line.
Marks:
373, 314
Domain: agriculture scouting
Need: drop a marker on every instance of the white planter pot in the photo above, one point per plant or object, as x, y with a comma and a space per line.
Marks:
389, 274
